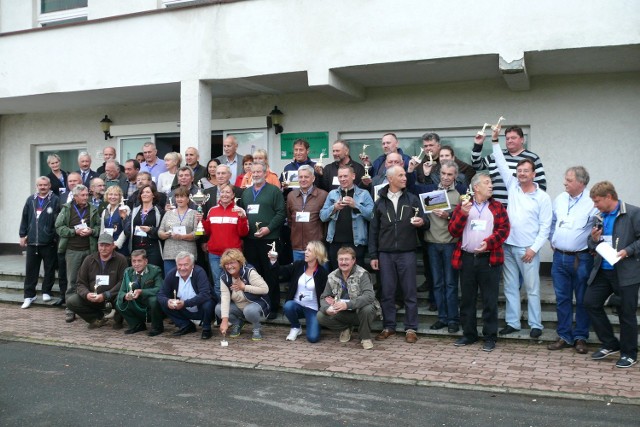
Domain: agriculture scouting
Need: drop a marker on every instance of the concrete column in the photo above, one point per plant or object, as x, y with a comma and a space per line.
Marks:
195, 118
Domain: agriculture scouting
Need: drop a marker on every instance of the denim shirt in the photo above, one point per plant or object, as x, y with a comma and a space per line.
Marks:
364, 203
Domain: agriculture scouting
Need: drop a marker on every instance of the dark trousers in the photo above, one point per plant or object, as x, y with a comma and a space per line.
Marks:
477, 274
61, 266
181, 318
256, 251
362, 318
604, 284
398, 269
37, 254
89, 311
333, 254
135, 317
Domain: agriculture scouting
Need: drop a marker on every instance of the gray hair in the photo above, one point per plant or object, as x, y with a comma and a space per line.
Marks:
341, 141
177, 157
149, 144
393, 170
260, 163
582, 176
185, 254
449, 164
83, 154
112, 162
43, 178
186, 168
78, 189
139, 252
224, 166
306, 168
476, 178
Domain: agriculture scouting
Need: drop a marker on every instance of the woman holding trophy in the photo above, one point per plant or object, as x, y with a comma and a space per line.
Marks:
141, 227
177, 230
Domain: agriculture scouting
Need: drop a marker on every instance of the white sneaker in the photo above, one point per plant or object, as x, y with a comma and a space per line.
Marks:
27, 302
294, 333
46, 297
367, 344
345, 335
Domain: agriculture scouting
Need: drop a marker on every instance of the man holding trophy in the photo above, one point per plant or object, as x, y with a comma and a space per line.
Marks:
98, 282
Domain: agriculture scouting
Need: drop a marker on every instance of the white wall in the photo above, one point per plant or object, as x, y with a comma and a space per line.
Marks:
588, 120
236, 40
16, 15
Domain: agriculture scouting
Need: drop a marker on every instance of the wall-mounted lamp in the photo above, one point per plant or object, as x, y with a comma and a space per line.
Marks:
105, 124
276, 119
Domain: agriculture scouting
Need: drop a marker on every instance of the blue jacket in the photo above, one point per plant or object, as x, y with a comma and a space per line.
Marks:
199, 282
360, 215
379, 162
40, 230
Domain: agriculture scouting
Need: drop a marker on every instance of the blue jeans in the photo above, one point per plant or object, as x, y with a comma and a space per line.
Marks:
445, 281
295, 311
182, 317
570, 274
169, 264
513, 267
216, 272
298, 255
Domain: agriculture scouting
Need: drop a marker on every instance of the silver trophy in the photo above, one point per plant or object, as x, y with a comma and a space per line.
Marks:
199, 199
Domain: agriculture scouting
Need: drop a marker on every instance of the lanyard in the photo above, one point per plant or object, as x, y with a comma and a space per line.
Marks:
143, 216
574, 203
80, 214
181, 218
256, 193
111, 216
475, 205
41, 202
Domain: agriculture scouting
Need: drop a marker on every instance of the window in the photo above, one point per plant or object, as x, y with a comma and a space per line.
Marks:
58, 12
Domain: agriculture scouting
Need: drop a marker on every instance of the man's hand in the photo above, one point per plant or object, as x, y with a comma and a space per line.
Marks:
175, 304
137, 293
339, 306
465, 207
596, 233
329, 300
495, 134
318, 169
263, 231
440, 213
366, 181
198, 217
623, 254
412, 165
427, 167
23, 241
349, 201
478, 139
528, 255
417, 221
96, 298
481, 248
374, 264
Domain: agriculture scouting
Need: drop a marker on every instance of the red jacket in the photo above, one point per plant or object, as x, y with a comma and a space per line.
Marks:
500, 233
224, 228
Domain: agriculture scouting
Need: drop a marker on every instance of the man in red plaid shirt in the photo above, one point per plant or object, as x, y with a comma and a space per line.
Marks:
482, 225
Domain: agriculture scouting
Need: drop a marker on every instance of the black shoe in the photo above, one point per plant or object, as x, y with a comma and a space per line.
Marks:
189, 329
508, 330
424, 287
489, 346
438, 325
535, 333
273, 315
432, 307
155, 332
206, 334
138, 328
453, 328
59, 303
461, 342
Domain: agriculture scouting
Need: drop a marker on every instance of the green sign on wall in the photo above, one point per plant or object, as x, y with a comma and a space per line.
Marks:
318, 143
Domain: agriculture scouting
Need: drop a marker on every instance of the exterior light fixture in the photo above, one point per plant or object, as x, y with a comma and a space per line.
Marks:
276, 119
105, 124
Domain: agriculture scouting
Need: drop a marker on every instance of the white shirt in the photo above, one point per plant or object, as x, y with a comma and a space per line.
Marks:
572, 221
185, 290
530, 214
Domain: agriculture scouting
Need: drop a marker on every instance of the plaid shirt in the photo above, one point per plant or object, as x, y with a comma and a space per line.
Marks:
494, 242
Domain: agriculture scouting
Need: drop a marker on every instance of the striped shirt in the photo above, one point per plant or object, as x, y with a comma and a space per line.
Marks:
489, 163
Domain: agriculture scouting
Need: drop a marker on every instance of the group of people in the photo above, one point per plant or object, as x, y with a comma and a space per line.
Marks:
316, 227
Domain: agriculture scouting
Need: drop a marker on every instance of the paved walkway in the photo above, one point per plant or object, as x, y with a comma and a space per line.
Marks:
514, 367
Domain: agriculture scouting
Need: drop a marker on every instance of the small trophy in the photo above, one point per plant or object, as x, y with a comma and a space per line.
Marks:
319, 162
363, 155
430, 157
224, 342
467, 196
481, 132
175, 298
418, 158
272, 251
95, 289
257, 227
199, 199
366, 172
415, 215
497, 125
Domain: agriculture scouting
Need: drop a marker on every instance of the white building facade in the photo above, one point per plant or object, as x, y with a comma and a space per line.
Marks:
186, 73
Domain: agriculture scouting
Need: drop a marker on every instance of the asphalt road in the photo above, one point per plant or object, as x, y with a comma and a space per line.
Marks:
52, 386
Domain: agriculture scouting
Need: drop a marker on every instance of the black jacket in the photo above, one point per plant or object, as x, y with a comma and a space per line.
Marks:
40, 230
330, 171
390, 231
292, 273
56, 185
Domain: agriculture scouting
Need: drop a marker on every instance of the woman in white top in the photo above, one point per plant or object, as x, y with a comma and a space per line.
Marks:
165, 179
177, 229
113, 216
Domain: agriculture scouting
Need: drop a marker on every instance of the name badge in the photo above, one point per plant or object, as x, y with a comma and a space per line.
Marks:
80, 226
38, 212
179, 229
608, 239
335, 181
139, 232
305, 295
302, 216
101, 280
478, 225
62, 190
253, 209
